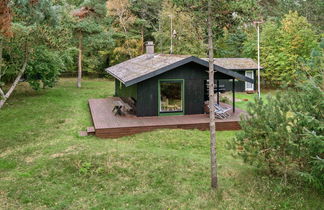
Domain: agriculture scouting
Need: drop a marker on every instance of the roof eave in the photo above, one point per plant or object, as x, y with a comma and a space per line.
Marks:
225, 71
246, 69
115, 76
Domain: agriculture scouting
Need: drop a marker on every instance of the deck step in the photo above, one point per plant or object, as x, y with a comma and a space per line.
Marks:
83, 133
91, 131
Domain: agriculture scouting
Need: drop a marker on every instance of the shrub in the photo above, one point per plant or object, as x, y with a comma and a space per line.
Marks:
44, 68
286, 135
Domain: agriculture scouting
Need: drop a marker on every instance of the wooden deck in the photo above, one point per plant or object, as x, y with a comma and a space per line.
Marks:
107, 125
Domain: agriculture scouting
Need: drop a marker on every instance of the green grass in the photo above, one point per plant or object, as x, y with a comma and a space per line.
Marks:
247, 98
45, 164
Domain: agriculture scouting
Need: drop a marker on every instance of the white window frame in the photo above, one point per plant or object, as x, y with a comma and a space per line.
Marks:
246, 83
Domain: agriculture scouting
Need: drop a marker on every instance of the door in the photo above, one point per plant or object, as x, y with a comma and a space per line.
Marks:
171, 97
249, 86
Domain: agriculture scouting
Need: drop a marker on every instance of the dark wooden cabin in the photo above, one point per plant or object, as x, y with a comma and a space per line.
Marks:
163, 84
244, 66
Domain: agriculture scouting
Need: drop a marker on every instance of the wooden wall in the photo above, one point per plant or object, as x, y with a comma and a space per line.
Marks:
193, 75
239, 85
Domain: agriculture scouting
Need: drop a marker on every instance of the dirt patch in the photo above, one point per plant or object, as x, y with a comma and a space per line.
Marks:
30, 159
67, 151
7, 152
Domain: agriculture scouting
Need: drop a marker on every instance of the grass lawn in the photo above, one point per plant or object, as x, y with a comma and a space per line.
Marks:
246, 98
45, 164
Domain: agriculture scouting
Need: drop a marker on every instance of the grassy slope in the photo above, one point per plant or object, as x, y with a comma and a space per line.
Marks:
44, 163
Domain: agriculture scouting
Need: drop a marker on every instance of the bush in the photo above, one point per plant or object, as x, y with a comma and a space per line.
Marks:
285, 136
44, 68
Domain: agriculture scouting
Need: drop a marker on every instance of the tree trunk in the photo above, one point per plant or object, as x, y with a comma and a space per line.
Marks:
212, 126
13, 86
2, 95
80, 61
1, 49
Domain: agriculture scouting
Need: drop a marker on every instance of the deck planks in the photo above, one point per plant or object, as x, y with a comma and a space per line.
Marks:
108, 125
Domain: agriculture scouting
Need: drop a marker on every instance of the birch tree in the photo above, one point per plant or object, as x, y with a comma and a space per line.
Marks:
30, 13
24, 37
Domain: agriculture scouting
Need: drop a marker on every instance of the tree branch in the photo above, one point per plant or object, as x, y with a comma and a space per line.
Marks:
2, 94
14, 84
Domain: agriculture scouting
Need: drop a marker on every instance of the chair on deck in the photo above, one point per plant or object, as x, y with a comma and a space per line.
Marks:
222, 111
220, 114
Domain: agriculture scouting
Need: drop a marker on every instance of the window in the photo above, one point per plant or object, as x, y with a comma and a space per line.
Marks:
171, 96
249, 86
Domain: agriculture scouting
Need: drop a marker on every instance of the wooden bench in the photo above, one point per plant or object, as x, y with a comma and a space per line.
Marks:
130, 104
120, 108
127, 107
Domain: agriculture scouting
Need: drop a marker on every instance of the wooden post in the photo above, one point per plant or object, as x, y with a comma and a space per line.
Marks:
218, 92
233, 89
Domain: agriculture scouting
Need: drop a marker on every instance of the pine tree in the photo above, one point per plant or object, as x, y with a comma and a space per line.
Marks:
89, 28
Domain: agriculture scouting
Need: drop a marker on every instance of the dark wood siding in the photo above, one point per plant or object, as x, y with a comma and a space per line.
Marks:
193, 75
194, 96
147, 95
239, 85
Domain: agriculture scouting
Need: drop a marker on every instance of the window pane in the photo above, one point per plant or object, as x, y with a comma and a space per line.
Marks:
249, 85
171, 97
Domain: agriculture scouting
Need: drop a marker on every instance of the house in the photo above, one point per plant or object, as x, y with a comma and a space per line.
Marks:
164, 84
244, 66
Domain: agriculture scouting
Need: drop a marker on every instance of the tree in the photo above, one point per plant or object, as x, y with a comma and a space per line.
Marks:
228, 18
212, 125
129, 41
187, 37
5, 31
121, 10
126, 49
315, 65
231, 44
147, 13
18, 34
90, 30
285, 135
287, 44
311, 9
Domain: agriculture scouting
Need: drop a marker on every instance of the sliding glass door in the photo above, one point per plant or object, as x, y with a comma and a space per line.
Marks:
171, 97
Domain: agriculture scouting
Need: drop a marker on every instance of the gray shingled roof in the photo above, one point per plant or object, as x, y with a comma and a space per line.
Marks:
142, 65
235, 63
149, 65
